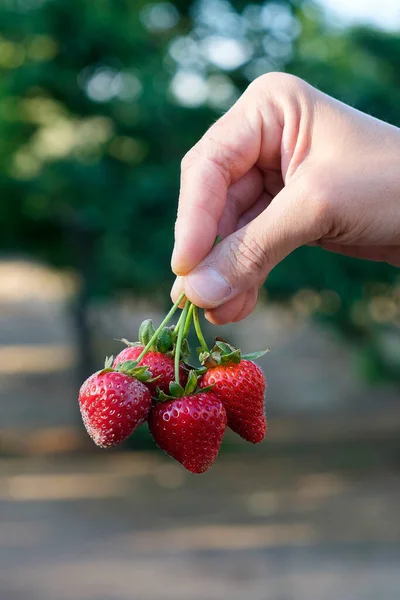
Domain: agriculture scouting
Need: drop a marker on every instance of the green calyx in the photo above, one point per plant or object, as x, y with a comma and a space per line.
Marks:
146, 331
164, 342
223, 353
177, 391
130, 368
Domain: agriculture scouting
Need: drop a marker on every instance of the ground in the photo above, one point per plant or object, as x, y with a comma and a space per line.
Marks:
137, 527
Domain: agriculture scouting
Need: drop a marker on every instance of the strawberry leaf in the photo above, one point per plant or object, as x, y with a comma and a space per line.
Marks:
191, 383
233, 357
201, 370
128, 343
131, 368
176, 390
226, 348
146, 331
206, 389
202, 355
162, 396
221, 354
165, 340
255, 355
127, 366
108, 362
185, 350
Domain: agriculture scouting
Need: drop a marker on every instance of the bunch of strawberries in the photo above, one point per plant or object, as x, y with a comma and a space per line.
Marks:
187, 408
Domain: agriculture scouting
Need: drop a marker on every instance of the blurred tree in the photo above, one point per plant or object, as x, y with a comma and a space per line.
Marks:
99, 101
91, 140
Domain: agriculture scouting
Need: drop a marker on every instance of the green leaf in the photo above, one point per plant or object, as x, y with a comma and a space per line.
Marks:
226, 348
206, 389
185, 350
128, 366
202, 355
216, 356
127, 343
108, 362
201, 371
162, 396
165, 340
233, 357
105, 370
144, 376
146, 331
176, 390
191, 383
141, 373
255, 355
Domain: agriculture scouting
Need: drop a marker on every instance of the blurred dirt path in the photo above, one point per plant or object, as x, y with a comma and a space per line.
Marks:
137, 527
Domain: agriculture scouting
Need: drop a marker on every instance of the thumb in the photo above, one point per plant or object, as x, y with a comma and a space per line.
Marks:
245, 258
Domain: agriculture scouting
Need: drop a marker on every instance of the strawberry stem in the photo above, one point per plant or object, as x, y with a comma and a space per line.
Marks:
160, 327
199, 332
178, 323
188, 321
179, 340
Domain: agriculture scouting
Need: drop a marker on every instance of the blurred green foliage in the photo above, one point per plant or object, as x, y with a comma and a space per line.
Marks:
99, 101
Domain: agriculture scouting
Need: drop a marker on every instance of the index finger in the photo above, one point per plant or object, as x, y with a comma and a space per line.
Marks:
228, 150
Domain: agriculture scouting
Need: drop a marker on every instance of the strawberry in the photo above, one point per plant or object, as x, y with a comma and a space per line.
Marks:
240, 385
160, 365
113, 404
159, 358
190, 429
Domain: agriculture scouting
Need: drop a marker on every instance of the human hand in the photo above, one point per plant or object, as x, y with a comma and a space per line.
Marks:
285, 166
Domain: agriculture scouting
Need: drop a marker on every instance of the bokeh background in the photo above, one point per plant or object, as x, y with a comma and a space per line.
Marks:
99, 101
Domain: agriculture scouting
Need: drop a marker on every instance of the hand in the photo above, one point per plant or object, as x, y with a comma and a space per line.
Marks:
285, 166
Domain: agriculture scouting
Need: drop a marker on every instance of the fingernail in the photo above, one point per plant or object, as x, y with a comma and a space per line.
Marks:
175, 257
210, 285
173, 261
175, 251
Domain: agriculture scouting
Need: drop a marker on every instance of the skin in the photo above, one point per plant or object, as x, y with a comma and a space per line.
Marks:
286, 166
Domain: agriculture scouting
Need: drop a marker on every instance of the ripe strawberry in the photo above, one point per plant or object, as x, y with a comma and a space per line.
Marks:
190, 429
240, 385
112, 406
161, 367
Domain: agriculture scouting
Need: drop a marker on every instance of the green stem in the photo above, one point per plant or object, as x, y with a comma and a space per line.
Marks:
199, 332
188, 321
179, 340
159, 329
178, 323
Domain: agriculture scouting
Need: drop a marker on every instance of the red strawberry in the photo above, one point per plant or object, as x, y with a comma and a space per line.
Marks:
240, 386
160, 366
112, 406
190, 429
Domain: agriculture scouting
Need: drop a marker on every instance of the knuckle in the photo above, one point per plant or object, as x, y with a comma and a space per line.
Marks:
189, 159
247, 257
282, 87
276, 80
223, 157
